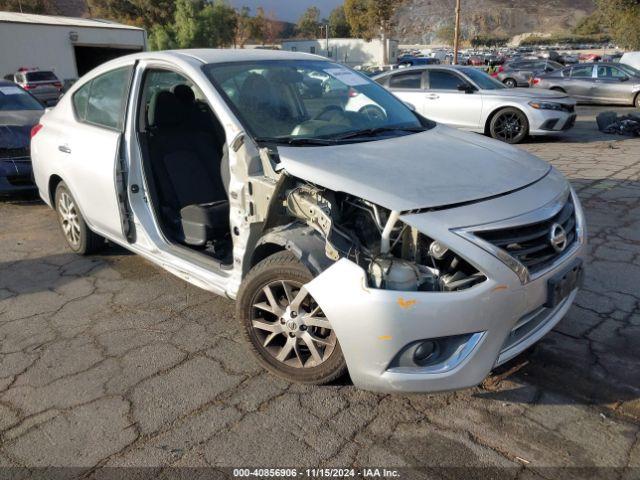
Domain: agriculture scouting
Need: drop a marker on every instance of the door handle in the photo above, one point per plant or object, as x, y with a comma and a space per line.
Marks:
64, 148
433, 96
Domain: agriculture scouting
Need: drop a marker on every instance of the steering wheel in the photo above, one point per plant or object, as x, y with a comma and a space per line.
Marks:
328, 109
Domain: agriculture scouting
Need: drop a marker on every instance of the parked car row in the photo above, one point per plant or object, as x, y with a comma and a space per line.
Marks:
361, 237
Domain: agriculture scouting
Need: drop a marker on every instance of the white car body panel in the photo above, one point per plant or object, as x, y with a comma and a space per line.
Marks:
476, 168
488, 182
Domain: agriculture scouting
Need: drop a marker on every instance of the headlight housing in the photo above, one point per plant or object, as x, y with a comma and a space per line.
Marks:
546, 105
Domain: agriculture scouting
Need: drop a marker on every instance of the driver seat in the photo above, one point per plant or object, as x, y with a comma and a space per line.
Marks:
186, 168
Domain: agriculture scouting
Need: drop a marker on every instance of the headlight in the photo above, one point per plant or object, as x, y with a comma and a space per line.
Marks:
546, 106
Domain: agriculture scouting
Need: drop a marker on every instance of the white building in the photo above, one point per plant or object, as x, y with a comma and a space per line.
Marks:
68, 46
349, 51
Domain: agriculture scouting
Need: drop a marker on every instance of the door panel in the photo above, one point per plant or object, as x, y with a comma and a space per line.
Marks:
93, 153
612, 85
581, 83
444, 103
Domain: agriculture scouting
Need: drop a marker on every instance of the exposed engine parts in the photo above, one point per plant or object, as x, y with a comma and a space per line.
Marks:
394, 255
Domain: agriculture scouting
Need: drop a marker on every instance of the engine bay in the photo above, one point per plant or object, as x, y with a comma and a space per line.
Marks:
395, 255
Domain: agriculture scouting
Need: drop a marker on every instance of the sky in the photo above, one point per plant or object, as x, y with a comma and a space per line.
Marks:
288, 10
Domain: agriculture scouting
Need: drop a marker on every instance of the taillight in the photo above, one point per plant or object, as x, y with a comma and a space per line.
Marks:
57, 84
28, 86
353, 93
35, 129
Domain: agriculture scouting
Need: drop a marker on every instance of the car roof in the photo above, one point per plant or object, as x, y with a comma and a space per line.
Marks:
225, 55
423, 67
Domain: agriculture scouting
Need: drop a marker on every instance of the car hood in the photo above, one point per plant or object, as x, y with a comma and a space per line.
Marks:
525, 93
441, 166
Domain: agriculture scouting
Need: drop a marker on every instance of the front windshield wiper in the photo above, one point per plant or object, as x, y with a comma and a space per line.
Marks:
372, 132
296, 140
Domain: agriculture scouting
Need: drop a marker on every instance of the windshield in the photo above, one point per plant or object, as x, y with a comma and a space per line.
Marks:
483, 80
41, 76
309, 100
14, 98
629, 70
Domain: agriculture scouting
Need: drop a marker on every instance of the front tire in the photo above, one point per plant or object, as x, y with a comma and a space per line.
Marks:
636, 102
510, 83
74, 229
509, 125
284, 326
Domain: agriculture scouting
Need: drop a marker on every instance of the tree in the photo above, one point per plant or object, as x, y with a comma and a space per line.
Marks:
590, 25
370, 18
338, 25
259, 26
215, 25
243, 27
446, 32
146, 13
161, 38
622, 17
29, 6
186, 23
309, 23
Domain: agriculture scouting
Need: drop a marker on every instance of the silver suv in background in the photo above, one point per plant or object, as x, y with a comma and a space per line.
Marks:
42, 84
595, 83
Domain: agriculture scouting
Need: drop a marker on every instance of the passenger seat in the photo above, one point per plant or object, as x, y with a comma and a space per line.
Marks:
185, 160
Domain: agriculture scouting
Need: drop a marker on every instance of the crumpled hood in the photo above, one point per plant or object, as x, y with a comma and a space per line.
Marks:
438, 167
526, 93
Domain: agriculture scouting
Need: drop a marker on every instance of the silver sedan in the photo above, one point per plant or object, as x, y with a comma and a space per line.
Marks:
469, 99
595, 83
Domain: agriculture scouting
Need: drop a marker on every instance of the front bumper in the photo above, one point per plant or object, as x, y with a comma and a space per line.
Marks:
544, 122
373, 325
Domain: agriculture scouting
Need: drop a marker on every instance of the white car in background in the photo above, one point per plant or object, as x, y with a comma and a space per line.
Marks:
469, 99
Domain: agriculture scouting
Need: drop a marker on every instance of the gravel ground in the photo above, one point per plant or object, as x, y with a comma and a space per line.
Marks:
109, 361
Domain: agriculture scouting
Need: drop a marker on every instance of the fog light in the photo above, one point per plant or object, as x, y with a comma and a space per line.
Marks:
425, 352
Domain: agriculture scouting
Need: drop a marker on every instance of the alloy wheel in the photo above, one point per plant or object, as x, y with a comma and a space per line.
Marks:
508, 126
290, 325
69, 218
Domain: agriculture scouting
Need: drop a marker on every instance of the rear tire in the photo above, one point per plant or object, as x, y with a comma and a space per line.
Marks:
284, 327
510, 83
636, 102
509, 125
74, 229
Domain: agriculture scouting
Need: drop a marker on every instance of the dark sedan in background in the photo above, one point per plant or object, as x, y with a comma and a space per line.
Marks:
614, 83
19, 112
520, 73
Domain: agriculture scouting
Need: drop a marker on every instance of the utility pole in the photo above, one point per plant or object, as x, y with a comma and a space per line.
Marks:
456, 34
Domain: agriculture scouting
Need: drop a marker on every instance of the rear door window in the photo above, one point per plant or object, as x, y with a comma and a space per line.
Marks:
443, 80
407, 80
103, 100
582, 71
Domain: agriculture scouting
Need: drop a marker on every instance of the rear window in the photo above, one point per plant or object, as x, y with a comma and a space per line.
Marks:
411, 80
41, 76
13, 98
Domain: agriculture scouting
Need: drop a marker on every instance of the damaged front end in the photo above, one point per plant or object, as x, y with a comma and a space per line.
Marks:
395, 255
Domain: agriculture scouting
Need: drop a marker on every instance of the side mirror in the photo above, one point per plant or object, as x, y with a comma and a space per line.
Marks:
466, 88
410, 106
624, 79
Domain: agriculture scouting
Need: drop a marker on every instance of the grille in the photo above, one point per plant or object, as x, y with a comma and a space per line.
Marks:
529, 244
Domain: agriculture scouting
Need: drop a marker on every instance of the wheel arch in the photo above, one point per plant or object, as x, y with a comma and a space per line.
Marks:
54, 181
303, 241
493, 113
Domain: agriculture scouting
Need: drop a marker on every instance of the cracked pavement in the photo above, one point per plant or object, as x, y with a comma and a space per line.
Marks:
109, 361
